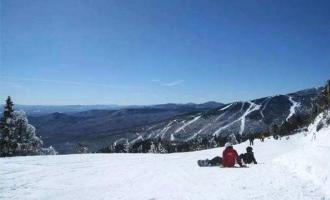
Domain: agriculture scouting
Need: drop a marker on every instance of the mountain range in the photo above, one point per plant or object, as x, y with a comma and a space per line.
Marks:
100, 127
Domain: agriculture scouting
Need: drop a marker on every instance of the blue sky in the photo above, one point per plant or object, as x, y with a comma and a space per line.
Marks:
150, 52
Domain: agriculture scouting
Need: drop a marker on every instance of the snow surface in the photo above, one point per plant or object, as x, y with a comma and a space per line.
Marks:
294, 168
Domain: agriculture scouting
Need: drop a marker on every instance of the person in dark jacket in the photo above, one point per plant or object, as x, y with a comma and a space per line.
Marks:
248, 157
251, 139
230, 156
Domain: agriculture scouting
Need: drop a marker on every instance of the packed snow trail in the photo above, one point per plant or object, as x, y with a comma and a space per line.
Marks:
280, 174
198, 132
251, 108
267, 100
224, 108
165, 129
292, 108
187, 124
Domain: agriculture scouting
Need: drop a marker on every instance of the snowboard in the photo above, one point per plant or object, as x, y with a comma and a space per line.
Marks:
203, 163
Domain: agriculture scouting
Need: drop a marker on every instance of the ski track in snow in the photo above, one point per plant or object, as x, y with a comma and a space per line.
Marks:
283, 172
292, 108
251, 108
187, 124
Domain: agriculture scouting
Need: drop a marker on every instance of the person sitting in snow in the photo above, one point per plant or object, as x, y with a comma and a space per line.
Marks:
230, 156
248, 157
229, 159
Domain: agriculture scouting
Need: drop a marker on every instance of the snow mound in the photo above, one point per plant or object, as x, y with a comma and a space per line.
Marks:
311, 160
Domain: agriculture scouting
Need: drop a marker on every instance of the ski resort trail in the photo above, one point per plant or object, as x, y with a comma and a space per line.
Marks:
264, 106
171, 176
250, 109
292, 108
187, 124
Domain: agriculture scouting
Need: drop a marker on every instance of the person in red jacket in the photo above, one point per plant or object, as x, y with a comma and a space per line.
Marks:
230, 156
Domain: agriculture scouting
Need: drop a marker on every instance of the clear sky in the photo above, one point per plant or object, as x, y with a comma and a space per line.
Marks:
155, 51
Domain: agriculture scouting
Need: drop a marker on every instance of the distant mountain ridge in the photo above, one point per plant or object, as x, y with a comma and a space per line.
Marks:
65, 130
255, 118
172, 123
35, 110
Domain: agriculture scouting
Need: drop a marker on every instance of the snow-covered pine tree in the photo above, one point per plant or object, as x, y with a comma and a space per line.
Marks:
232, 139
161, 149
7, 139
82, 148
49, 151
213, 143
140, 149
152, 148
27, 142
18, 137
126, 146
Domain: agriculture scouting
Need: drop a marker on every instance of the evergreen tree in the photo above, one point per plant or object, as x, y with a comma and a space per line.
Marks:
7, 138
126, 146
27, 142
213, 143
152, 148
232, 138
82, 148
161, 149
49, 151
18, 137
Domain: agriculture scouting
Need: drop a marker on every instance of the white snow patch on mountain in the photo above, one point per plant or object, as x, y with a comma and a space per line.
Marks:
292, 108
172, 137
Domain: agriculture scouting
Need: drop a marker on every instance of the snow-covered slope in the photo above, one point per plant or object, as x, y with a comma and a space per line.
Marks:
294, 168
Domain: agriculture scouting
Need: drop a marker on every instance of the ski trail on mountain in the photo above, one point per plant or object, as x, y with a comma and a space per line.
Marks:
187, 124
164, 130
139, 137
265, 105
197, 133
292, 108
224, 108
252, 107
